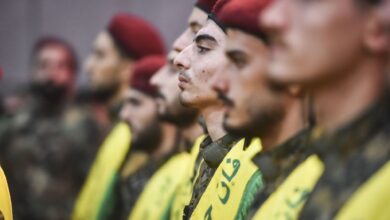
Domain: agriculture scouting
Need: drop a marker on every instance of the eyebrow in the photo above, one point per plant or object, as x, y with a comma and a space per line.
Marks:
205, 37
193, 24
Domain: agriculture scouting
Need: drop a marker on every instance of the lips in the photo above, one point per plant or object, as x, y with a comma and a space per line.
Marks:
182, 81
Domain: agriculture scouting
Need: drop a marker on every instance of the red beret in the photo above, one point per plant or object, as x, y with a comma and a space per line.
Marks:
135, 36
215, 12
143, 71
205, 5
243, 15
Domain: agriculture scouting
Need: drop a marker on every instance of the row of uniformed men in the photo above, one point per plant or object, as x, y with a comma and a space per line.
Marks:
293, 102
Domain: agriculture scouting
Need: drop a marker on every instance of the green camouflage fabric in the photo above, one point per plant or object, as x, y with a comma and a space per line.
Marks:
351, 156
213, 154
277, 164
46, 151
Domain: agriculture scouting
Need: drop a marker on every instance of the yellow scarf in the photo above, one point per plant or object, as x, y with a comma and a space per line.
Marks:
184, 189
288, 200
233, 186
5, 199
370, 201
155, 200
97, 189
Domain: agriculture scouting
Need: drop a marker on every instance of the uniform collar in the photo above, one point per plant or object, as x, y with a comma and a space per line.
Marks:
213, 153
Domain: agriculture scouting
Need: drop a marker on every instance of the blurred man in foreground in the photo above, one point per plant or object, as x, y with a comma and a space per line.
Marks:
338, 51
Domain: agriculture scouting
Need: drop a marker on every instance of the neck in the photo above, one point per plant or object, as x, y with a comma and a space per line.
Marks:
213, 117
292, 122
340, 101
118, 95
167, 143
192, 132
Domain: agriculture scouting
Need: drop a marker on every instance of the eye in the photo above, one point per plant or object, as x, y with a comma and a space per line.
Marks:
202, 50
237, 58
134, 102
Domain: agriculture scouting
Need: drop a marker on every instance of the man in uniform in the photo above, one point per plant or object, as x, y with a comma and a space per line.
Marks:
198, 63
156, 139
338, 50
126, 39
46, 145
170, 108
259, 108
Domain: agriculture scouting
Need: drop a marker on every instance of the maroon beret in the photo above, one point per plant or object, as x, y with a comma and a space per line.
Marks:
243, 15
143, 71
135, 37
205, 5
215, 12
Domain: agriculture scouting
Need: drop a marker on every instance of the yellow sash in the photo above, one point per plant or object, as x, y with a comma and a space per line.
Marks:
288, 200
155, 200
233, 186
5, 199
98, 187
372, 200
183, 192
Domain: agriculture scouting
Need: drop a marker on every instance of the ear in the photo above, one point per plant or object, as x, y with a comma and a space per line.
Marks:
376, 36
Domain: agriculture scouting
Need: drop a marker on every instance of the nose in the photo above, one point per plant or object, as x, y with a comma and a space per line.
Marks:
182, 60
88, 65
124, 113
219, 82
156, 78
274, 17
180, 43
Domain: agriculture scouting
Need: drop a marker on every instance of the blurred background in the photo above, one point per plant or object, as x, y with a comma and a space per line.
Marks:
22, 22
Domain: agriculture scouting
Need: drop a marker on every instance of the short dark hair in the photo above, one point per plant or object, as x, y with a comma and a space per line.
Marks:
56, 41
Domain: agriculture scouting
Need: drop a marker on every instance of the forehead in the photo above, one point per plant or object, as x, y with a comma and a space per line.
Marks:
212, 29
135, 94
104, 40
239, 40
197, 17
53, 51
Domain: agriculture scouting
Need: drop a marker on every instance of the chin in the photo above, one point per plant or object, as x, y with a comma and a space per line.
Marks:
236, 127
280, 75
185, 100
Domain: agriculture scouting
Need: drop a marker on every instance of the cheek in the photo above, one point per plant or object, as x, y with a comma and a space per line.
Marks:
172, 89
64, 76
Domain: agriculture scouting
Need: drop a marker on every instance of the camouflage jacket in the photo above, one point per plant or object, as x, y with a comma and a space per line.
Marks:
46, 153
351, 156
277, 164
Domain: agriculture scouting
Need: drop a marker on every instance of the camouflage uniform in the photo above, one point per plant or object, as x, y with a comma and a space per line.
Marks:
213, 154
46, 152
276, 165
351, 156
